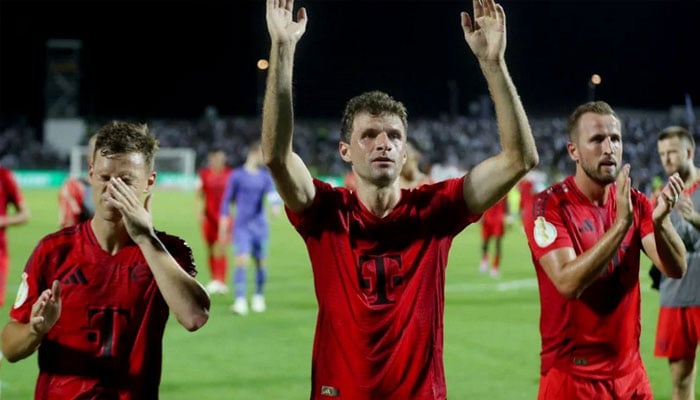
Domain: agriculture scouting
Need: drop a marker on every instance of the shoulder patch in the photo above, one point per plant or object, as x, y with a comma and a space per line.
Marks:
22, 292
544, 232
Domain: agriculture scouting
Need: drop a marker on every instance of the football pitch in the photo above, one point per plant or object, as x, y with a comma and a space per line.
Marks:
491, 325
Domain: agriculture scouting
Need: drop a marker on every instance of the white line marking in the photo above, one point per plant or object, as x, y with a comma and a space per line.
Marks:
504, 286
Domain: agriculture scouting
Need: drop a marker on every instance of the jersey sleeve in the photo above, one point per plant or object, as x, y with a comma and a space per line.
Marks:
544, 227
181, 252
12, 191
306, 222
32, 284
224, 208
445, 207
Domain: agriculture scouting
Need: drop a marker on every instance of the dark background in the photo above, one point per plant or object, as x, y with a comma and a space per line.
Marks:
170, 59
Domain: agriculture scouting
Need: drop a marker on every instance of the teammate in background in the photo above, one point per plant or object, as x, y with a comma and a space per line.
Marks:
211, 183
95, 297
493, 226
248, 187
678, 329
526, 188
75, 203
379, 253
10, 194
411, 175
586, 234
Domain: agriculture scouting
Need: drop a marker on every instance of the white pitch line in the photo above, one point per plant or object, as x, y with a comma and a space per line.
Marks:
504, 286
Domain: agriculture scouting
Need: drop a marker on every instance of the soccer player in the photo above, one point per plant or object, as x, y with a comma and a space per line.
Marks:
10, 195
493, 227
248, 187
526, 189
211, 184
411, 176
75, 196
586, 234
379, 253
678, 329
95, 297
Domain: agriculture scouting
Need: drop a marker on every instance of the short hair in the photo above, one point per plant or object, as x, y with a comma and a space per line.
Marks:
375, 103
679, 132
596, 107
91, 149
119, 137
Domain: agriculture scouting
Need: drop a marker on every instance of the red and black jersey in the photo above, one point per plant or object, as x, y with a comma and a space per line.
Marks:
107, 342
380, 289
595, 336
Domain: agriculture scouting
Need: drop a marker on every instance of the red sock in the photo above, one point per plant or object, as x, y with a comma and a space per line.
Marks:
219, 267
496, 262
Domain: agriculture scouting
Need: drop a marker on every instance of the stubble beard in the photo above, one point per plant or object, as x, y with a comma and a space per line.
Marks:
600, 178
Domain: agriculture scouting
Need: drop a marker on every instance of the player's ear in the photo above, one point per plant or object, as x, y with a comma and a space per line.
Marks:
573, 152
344, 150
150, 182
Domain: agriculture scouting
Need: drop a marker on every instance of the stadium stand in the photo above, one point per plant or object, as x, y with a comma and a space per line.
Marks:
460, 142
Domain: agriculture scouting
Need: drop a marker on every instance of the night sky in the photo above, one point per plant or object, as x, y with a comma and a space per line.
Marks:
170, 59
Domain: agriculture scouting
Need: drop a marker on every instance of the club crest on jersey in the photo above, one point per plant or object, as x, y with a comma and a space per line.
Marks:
22, 292
544, 232
329, 391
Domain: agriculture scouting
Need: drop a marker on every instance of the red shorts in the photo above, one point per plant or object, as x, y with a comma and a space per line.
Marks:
557, 385
491, 229
677, 332
210, 230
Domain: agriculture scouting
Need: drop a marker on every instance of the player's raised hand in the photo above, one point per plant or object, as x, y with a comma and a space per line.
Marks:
623, 200
668, 197
46, 310
281, 25
486, 32
686, 207
136, 215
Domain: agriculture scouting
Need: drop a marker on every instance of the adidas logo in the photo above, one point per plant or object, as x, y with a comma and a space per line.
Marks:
587, 226
75, 278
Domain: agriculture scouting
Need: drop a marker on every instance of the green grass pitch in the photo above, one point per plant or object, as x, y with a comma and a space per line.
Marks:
491, 326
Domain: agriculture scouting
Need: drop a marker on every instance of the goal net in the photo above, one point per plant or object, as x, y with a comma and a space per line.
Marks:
175, 166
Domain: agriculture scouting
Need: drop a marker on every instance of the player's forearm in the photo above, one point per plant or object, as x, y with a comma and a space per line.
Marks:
694, 220
18, 218
185, 296
292, 178
578, 274
278, 113
671, 250
18, 341
515, 133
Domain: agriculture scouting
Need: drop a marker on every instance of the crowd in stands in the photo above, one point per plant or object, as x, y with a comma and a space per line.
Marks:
456, 143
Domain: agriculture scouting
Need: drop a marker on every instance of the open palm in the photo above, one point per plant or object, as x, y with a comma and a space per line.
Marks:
282, 28
486, 34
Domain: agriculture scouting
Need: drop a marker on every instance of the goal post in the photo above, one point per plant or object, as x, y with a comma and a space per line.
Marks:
175, 166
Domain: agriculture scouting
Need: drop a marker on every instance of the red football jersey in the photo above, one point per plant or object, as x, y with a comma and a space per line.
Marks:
496, 214
212, 187
107, 342
380, 289
526, 188
70, 202
9, 194
597, 335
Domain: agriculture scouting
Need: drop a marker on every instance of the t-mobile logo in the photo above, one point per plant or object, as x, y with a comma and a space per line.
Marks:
380, 278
